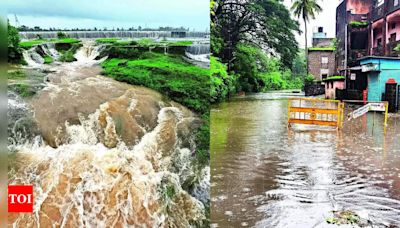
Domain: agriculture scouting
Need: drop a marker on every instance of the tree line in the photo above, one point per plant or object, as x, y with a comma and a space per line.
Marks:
254, 41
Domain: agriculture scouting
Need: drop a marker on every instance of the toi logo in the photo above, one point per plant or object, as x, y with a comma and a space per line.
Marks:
20, 198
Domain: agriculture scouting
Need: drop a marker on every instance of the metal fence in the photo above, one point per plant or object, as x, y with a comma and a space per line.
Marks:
315, 111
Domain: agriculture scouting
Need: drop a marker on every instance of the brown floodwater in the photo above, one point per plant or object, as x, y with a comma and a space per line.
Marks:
102, 153
266, 175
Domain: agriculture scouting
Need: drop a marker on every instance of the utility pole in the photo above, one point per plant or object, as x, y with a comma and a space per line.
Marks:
16, 21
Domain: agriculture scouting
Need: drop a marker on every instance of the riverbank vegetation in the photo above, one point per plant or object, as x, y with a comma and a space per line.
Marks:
68, 51
30, 43
254, 61
144, 42
14, 50
169, 74
172, 76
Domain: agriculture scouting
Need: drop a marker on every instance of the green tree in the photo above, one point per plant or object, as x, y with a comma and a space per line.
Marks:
306, 9
222, 84
14, 51
262, 23
299, 65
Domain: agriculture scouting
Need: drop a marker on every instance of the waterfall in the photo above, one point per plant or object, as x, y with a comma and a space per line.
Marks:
32, 58
199, 53
49, 49
21, 126
198, 49
89, 52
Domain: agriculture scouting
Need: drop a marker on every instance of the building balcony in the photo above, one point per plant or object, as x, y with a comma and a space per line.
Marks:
377, 13
392, 6
357, 17
358, 27
378, 51
390, 48
356, 54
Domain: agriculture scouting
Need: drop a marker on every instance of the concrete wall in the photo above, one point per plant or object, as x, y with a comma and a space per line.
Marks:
322, 42
313, 89
330, 88
341, 21
359, 6
315, 63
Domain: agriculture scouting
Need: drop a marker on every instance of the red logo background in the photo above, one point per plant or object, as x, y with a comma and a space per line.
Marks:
20, 207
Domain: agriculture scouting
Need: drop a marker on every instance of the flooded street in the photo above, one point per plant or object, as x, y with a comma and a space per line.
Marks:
266, 175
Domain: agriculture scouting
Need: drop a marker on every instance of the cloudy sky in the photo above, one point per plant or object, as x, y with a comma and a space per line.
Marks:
109, 13
325, 19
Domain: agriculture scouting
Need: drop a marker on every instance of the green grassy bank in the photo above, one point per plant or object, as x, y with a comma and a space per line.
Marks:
30, 43
175, 78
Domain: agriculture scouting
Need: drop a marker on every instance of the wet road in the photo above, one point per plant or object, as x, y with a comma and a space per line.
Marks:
265, 175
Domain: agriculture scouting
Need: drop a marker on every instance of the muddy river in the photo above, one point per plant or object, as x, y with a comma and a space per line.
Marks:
266, 175
101, 153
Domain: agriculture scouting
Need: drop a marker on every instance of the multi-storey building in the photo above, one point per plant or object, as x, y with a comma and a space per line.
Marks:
352, 32
384, 28
368, 30
321, 57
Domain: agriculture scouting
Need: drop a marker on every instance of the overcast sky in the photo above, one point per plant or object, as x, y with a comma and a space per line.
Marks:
146, 13
109, 13
325, 19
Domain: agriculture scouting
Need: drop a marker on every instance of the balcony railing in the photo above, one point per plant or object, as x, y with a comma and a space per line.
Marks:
390, 48
377, 13
358, 17
378, 51
356, 54
392, 7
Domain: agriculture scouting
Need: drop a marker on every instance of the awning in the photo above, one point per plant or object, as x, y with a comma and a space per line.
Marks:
355, 68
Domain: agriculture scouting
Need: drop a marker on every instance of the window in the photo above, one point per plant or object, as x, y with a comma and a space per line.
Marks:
324, 60
393, 25
396, 2
392, 37
379, 42
323, 76
324, 71
379, 2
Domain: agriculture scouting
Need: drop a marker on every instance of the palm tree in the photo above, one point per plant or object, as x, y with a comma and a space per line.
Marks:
306, 9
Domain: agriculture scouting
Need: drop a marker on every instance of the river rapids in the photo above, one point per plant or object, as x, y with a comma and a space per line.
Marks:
101, 153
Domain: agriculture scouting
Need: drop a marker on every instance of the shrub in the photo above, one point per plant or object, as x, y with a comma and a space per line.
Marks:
310, 78
397, 48
24, 90
14, 50
222, 84
47, 59
203, 141
358, 24
68, 56
61, 35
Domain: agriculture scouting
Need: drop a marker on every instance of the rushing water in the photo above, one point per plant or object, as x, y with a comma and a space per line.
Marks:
199, 54
101, 153
266, 175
